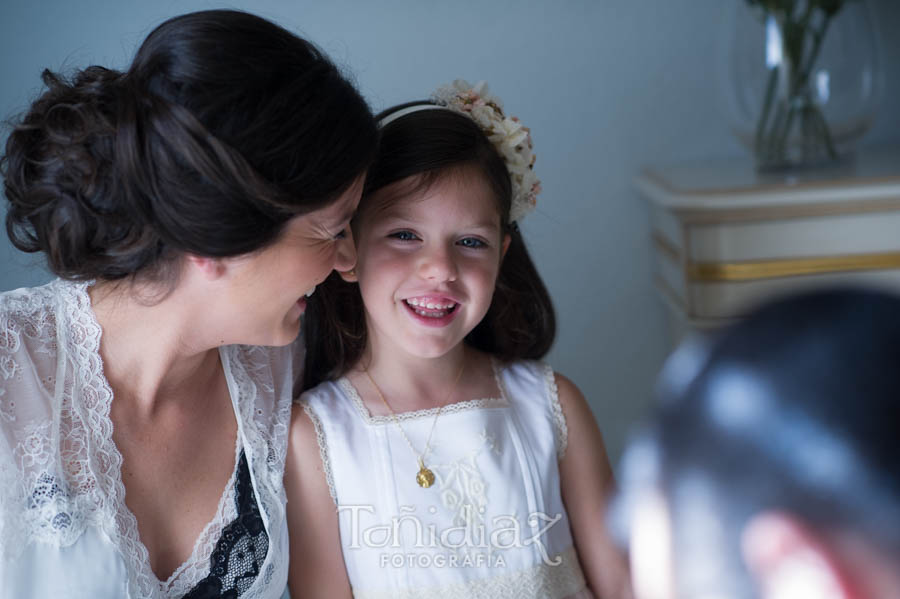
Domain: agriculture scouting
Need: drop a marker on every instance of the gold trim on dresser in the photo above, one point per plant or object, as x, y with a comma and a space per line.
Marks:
717, 272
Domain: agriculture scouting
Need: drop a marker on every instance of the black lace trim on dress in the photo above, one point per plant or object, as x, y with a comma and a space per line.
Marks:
241, 550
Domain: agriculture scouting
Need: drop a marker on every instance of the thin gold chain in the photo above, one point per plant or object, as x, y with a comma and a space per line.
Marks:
421, 457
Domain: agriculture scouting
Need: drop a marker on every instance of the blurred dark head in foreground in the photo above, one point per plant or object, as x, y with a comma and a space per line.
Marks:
771, 467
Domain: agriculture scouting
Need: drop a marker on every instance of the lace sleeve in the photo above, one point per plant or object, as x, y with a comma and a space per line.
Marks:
298, 357
28, 352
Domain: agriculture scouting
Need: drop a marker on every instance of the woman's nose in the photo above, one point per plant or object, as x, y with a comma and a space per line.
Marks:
345, 259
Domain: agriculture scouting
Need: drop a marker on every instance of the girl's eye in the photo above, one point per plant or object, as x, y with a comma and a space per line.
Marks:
472, 243
403, 235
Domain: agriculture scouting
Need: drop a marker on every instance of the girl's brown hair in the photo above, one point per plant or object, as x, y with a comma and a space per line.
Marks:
430, 144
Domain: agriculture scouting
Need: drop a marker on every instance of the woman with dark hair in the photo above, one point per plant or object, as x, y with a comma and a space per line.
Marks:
189, 206
770, 468
440, 457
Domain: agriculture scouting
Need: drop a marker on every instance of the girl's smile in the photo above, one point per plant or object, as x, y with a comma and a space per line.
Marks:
432, 311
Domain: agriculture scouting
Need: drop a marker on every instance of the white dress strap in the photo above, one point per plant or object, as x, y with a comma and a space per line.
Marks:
534, 383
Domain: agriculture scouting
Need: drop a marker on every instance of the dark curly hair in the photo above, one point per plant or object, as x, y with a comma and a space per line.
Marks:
430, 144
223, 128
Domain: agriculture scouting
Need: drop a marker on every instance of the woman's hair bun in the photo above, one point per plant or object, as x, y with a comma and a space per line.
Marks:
223, 128
60, 177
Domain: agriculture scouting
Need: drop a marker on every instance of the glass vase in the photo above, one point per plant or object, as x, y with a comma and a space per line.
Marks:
804, 79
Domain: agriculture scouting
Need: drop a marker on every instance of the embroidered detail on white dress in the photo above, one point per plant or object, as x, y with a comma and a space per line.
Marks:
562, 431
462, 486
541, 580
460, 406
323, 450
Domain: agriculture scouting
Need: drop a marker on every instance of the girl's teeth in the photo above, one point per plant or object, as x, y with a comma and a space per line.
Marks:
429, 305
311, 291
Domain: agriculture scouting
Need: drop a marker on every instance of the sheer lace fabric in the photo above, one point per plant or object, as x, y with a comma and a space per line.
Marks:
241, 549
60, 472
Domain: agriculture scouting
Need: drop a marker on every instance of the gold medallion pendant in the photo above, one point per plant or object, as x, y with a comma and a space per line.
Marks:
425, 477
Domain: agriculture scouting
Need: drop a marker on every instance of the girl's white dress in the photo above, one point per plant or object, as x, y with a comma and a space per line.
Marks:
493, 525
65, 530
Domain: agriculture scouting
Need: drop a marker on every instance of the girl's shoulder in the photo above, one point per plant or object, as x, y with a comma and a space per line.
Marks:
335, 399
324, 391
534, 387
527, 379
528, 369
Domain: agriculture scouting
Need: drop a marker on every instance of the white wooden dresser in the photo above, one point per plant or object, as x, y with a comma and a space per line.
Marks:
726, 237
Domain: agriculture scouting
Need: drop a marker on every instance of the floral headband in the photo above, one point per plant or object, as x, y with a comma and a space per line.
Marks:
511, 139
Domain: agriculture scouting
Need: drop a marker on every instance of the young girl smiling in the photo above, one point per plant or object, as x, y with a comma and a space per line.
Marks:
438, 458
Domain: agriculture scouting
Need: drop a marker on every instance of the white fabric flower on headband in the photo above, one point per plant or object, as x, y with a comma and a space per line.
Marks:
509, 136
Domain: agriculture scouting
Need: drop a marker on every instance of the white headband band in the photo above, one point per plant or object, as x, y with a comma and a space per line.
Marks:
509, 137
405, 111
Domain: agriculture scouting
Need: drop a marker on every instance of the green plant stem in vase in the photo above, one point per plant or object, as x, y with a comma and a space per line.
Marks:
791, 128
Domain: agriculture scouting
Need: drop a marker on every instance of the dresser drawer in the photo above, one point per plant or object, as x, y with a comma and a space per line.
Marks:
725, 238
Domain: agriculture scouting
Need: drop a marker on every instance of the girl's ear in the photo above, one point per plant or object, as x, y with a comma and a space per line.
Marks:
789, 560
506, 240
210, 268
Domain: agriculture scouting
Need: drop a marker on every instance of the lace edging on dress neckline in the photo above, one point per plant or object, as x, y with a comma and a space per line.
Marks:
461, 406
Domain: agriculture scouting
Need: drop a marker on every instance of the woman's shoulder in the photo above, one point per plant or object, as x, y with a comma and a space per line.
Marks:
27, 303
29, 344
28, 371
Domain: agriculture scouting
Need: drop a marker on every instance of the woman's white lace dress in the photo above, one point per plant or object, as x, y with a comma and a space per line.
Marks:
493, 525
65, 530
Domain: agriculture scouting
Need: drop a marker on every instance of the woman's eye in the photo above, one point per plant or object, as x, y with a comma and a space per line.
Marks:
403, 235
472, 242
341, 235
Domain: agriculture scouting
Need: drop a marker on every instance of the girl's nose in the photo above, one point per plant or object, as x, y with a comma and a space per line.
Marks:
437, 265
345, 259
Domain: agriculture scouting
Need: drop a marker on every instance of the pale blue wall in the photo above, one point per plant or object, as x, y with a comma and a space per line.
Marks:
605, 85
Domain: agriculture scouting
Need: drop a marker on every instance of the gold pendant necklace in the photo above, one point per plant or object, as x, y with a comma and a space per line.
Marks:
424, 477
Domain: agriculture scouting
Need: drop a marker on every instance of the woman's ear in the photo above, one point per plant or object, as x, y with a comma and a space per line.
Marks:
209, 268
789, 561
